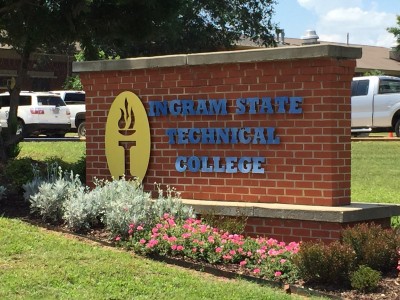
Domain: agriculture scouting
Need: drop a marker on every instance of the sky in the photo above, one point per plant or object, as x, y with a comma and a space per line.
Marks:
364, 20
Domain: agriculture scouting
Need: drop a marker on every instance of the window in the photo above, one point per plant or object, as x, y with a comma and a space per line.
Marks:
23, 100
359, 87
388, 86
74, 98
48, 100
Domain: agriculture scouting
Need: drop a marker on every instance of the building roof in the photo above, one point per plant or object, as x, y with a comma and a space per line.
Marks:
373, 57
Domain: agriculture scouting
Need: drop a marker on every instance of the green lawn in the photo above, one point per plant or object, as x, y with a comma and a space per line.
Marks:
375, 172
40, 264
375, 166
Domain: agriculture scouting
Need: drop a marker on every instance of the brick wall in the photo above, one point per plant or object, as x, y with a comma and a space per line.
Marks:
301, 230
310, 166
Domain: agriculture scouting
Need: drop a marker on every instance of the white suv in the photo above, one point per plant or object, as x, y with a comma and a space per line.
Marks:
38, 113
75, 101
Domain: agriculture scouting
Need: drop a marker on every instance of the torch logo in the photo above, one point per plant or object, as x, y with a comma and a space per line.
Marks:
127, 139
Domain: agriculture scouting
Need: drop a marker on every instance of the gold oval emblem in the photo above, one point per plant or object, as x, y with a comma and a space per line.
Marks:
127, 139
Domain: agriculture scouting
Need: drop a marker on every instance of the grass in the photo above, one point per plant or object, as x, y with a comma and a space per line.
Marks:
39, 264
375, 166
67, 151
375, 172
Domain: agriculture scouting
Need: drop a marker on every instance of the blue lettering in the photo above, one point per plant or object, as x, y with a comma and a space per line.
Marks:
252, 103
266, 106
180, 164
217, 165
204, 165
218, 107
230, 167
294, 105
182, 135
202, 108
194, 136
240, 106
257, 161
281, 101
171, 133
193, 164
175, 107
244, 164
242, 135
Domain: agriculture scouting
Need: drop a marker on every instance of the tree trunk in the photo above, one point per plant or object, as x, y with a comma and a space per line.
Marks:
11, 139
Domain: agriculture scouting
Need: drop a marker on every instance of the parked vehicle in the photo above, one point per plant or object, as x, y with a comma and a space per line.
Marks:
75, 100
375, 104
38, 113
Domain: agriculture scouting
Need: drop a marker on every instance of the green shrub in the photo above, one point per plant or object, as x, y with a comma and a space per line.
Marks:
18, 172
234, 224
326, 264
374, 246
365, 279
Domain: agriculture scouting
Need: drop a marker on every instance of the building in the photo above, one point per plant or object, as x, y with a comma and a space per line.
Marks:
45, 71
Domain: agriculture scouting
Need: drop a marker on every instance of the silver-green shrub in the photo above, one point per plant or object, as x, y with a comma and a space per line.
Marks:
170, 202
48, 202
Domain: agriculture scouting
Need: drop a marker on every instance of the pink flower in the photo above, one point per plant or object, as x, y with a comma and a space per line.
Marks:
282, 261
232, 252
180, 248
154, 230
118, 238
211, 239
243, 263
218, 249
139, 228
142, 241
194, 250
166, 216
278, 274
256, 271
130, 231
173, 247
131, 226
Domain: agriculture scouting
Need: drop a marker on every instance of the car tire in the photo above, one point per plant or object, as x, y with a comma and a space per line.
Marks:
397, 128
82, 129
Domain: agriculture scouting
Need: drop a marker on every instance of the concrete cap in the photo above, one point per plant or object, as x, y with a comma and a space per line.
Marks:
338, 214
223, 57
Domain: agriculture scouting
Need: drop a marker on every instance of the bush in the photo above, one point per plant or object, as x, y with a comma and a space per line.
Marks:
48, 202
18, 172
325, 264
374, 246
234, 224
365, 279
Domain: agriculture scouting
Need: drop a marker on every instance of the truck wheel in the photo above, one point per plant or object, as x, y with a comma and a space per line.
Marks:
397, 128
82, 129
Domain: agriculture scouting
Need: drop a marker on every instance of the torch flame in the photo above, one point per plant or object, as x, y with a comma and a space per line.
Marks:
127, 120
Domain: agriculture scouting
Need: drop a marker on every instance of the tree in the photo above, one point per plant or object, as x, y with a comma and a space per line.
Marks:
126, 28
30, 26
396, 32
142, 27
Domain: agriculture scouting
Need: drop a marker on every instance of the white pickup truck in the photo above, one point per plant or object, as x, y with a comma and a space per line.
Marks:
375, 104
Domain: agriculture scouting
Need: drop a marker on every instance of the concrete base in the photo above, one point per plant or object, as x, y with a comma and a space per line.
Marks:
354, 212
298, 222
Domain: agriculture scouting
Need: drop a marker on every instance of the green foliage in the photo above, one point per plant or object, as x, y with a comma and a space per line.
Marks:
374, 246
234, 224
373, 73
164, 27
326, 264
396, 32
17, 172
73, 83
365, 279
